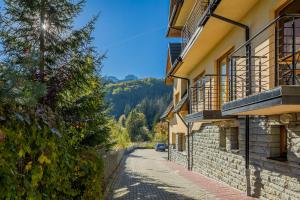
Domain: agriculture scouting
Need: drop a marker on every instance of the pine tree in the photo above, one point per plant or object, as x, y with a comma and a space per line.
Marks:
52, 112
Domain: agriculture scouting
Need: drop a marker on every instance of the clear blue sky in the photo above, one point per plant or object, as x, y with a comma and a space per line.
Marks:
133, 34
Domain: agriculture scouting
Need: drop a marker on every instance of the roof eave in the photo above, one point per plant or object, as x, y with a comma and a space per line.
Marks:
173, 17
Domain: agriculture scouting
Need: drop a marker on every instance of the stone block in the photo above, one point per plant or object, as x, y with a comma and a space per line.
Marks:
295, 187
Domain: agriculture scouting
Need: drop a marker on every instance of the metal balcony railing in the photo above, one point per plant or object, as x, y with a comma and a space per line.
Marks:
193, 21
270, 58
209, 93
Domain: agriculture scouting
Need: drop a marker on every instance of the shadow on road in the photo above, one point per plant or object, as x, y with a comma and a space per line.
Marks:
132, 186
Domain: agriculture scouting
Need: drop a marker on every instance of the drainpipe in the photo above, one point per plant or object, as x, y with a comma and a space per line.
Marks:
188, 124
168, 122
249, 91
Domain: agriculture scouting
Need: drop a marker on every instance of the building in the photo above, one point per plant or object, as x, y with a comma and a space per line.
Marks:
235, 114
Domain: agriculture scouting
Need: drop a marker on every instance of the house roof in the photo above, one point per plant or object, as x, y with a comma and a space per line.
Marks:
167, 111
175, 51
175, 6
180, 103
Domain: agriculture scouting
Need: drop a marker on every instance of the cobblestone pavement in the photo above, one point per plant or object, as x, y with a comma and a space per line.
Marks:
145, 175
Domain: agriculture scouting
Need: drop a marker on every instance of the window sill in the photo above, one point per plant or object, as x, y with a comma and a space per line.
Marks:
222, 149
235, 151
183, 153
279, 159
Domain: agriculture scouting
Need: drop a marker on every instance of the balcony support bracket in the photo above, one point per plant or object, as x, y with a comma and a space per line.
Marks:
230, 21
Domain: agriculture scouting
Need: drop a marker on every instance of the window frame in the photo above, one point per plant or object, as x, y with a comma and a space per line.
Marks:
219, 73
283, 142
197, 94
282, 153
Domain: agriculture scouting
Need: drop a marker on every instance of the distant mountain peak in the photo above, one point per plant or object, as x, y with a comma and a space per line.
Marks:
110, 79
113, 79
130, 77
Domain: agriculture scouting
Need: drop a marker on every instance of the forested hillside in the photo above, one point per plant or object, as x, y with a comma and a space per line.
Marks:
148, 96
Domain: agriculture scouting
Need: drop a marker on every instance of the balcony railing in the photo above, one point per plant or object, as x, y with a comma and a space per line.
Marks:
193, 21
270, 58
209, 93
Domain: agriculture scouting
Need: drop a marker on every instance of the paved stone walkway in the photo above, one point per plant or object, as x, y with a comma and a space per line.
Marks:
146, 174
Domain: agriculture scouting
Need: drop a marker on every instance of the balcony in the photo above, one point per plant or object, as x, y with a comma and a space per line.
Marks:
206, 97
265, 71
193, 21
201, 32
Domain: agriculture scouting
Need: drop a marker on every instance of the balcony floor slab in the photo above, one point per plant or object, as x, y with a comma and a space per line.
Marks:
206, 116
280, 100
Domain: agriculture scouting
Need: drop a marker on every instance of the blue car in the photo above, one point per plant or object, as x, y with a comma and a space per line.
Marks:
160, 147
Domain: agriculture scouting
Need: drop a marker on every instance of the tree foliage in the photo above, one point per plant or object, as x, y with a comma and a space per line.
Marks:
52, 113
149, 96
119, 135
136, 126
161, 132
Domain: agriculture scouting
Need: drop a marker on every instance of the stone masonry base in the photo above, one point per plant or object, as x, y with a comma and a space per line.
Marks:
269, 179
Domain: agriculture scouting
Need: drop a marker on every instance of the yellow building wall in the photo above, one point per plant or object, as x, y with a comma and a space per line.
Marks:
179, 87
259, 16
176, 126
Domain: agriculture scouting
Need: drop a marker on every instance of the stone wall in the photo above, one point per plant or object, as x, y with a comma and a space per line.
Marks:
269, 179
215, 162
179, 157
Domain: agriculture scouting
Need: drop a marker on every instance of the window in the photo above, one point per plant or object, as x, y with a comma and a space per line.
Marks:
198, 93
286, 36
176, 98
181, 142
174, 140
223, 73
222, 139
283, 142
229, 139
278, 143
223, 79
232, 135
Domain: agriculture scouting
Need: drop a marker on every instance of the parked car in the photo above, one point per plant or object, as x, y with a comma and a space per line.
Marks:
160, 147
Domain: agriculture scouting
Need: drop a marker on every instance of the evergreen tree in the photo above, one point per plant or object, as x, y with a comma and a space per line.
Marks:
51, 103
125, 96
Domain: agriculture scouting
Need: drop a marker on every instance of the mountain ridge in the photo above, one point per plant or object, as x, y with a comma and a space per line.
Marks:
113, 79
149, 95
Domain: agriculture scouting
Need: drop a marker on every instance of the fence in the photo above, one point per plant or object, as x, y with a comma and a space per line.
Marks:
269, 59
193, 21
209, 93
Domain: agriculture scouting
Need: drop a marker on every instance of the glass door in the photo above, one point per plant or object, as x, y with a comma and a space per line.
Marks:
198, 93
223, 81
289, 45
